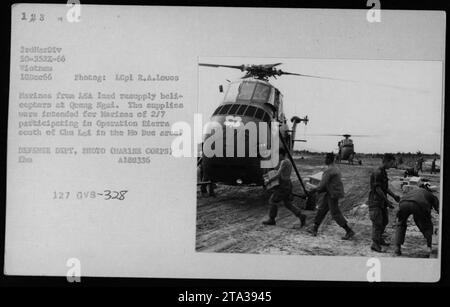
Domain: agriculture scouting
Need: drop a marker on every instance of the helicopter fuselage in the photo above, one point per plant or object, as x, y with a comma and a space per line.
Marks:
346, 149
249, 106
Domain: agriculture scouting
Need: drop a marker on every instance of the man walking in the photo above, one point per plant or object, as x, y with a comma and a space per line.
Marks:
283, 192
378, 202
331, 184
433, 166
203, 178
418, 202
419, 164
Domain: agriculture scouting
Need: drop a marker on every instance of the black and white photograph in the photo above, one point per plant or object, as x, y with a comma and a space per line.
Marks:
359, 157
270, 144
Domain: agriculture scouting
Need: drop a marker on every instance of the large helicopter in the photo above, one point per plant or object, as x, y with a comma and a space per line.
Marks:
250, 99
346, 148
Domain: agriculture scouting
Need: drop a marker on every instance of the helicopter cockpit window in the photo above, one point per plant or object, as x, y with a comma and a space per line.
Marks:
241, 109
259, 114
347, 142
262, 92
232, 92
217, 111
250, 111
225, 109
277, 99
234, 108
246, 90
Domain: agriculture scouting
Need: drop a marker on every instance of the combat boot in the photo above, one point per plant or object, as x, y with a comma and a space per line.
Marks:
350, 234
302, 218
384, 243
398, 250
376, 247
270, 221
313, 230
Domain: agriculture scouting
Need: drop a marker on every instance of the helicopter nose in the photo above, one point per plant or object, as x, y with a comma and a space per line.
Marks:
238, 139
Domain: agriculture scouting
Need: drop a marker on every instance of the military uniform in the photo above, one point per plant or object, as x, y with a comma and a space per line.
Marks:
419, 164
333, 187
283, 192
378, 211
204, 178
433, 166
417, 202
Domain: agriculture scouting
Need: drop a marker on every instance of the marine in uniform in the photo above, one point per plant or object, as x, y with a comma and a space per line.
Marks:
283, 192
333, 188
417, 202
379, 203
419, 164
433, 166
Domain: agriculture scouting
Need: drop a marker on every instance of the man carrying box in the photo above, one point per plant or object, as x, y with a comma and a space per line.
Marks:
283, 191
333, 187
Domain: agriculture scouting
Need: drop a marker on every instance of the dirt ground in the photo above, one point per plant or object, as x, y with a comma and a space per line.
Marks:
231, 221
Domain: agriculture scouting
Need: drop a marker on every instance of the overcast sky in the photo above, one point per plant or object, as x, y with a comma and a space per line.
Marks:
397, 102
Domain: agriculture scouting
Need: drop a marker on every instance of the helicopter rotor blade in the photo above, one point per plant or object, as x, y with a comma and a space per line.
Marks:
343, 135
272, 65
266, 71
401, 88
280, 72
324, 134
240, 67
